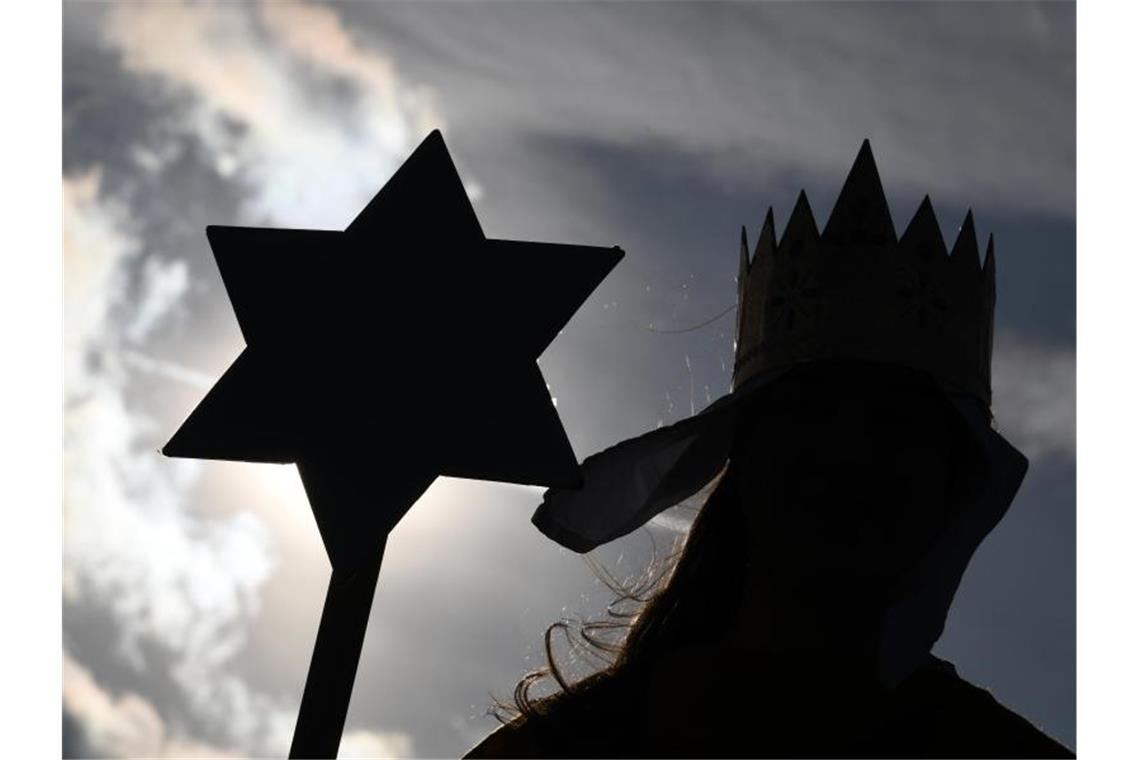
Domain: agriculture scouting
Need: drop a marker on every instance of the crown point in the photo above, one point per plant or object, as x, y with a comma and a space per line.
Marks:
926, 210
861, 215
988, 266
923, 235
965, 251
801, 225
766, 243
801, 208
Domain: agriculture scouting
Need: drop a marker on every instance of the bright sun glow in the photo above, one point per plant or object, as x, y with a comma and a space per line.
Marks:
281, 485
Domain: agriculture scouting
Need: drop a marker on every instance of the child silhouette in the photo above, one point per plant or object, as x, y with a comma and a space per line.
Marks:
854, 469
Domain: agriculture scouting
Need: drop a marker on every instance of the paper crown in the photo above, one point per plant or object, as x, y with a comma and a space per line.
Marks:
859, 292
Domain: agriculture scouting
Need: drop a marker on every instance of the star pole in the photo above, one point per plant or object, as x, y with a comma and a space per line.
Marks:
332, 671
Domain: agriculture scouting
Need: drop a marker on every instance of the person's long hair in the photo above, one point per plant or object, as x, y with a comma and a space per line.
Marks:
688, 598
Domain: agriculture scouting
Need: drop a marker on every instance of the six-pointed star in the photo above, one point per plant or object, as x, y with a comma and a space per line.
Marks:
398, 350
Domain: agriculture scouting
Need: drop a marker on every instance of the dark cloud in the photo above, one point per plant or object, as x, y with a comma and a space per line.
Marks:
105, 114
975, 100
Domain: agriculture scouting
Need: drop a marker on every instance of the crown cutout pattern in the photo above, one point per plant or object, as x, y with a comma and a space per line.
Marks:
857, 291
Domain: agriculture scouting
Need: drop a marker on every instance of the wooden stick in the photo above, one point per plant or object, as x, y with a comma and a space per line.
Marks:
340, 637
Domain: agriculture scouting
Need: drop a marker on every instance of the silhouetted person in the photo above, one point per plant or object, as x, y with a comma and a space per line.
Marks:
854, 470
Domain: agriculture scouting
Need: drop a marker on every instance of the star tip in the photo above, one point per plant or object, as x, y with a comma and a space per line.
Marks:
174, 448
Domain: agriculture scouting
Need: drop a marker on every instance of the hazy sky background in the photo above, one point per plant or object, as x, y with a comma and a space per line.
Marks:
192, 590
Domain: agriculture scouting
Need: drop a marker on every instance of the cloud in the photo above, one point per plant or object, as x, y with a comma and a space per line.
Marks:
127, 725
124, 726
970, 102
360, 744
1035, 395
95, 240
169, 370
169, 578
287, 101
164, 284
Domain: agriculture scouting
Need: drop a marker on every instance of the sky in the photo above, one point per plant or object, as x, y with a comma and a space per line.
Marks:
192, 590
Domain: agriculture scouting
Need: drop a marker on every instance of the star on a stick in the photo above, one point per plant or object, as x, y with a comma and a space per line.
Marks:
398, 350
